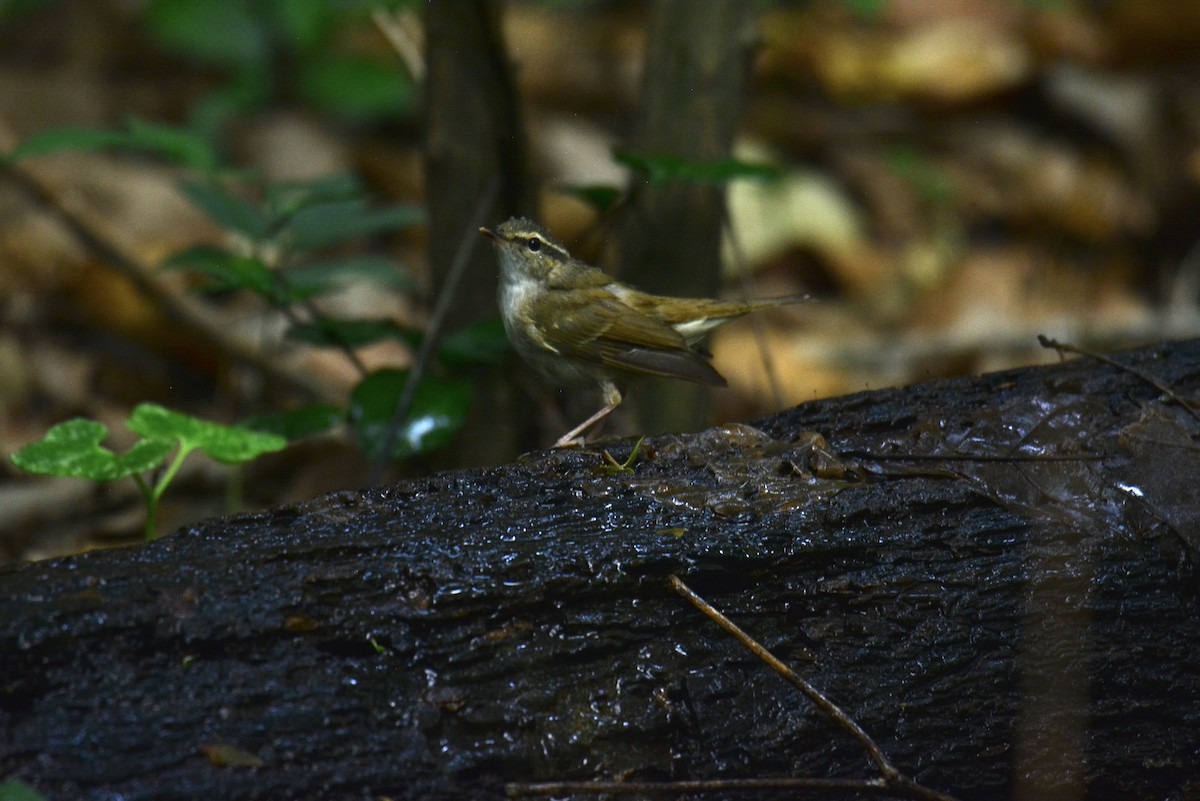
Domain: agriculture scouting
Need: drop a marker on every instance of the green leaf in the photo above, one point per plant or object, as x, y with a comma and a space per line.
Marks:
303, 24
482, 343
225, 33
225, 444
327, 276
327, 224
225, 209
177, 144
352, 333
229, 271
358, 89
298, 423
600, 198
438, 410
288, 197
73, 449
14, 790
54, 140
662, 168
246, 91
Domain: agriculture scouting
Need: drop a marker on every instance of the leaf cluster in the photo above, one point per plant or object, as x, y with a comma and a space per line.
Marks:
74, 449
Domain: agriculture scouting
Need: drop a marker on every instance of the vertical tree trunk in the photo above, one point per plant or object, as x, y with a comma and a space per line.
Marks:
696, 69
473, 137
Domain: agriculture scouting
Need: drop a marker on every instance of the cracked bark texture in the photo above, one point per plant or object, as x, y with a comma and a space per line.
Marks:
1000, 627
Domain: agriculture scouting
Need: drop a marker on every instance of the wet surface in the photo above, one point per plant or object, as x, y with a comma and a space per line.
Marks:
441, 637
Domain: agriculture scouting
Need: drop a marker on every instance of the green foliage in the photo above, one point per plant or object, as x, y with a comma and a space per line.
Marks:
248, 39
319, 277
226, 34
226, 444
229, 271
290, 242
327, 331
298, 423
438, 410
73, 449
226, 209
14, 790
659, 169
600, 198
291, 222
297, 221
484, 342
357, 88
175, 144
322, 224
282, 260
288, 197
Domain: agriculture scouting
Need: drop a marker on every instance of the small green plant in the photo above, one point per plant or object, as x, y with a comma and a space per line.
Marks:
612, 467
74, 449
291, 243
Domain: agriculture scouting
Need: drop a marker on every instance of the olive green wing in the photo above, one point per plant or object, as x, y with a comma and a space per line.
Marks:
593, 325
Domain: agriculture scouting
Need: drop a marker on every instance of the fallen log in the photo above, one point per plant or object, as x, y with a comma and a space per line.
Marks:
993, 577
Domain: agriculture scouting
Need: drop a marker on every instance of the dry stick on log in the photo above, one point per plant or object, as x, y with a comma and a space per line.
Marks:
874, 786
892, 781
1165, 389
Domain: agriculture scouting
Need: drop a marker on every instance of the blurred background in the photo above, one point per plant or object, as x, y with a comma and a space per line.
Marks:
246, 211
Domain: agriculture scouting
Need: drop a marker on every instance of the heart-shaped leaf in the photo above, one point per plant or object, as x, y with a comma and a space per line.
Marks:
73, 449
225, 444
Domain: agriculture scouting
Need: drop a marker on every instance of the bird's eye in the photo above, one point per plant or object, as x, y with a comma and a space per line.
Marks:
534, 244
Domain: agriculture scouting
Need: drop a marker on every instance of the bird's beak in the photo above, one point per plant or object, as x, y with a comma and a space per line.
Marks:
490, 234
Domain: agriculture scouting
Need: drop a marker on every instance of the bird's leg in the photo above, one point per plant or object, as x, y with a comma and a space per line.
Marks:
612, 399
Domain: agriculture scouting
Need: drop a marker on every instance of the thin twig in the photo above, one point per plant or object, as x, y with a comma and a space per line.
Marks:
894, 780
824, 704
693, 786
1152, 380
437, 319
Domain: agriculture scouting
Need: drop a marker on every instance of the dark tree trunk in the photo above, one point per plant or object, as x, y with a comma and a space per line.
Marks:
697, 62
474, 150
1000, 627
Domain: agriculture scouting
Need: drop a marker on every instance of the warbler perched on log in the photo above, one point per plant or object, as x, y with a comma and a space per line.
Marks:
576, 324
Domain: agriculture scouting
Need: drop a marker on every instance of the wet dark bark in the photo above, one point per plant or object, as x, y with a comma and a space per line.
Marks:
1001, 628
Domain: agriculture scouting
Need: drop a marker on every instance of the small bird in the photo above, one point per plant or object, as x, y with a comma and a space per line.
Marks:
576, 324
